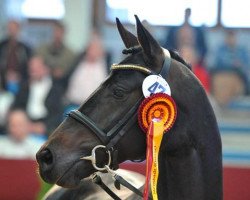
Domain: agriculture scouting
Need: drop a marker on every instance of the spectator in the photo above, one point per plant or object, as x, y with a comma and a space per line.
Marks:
56, 54
190, 55
41, 95
14, 56
230, 55
187, 35
17, 143
229, 79
88, 71
6, 99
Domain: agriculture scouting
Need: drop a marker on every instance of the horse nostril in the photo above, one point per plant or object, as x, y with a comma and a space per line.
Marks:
45, 157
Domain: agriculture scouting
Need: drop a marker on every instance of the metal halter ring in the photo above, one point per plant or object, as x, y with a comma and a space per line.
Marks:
92, 158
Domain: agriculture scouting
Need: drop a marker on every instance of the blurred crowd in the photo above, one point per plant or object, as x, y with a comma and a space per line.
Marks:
229, 76
37, 86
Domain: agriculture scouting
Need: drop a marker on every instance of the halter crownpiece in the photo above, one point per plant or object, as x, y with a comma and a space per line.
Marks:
131, 67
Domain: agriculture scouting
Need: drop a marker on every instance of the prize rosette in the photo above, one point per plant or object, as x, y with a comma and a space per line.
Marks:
156, 115
160, 107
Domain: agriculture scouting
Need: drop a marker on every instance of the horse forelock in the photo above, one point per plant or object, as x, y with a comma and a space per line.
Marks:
132, 50
173, 54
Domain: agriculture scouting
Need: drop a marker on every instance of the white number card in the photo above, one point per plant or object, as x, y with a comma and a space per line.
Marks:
155, 84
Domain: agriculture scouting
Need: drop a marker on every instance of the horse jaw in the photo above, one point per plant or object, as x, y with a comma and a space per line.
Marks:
74, 176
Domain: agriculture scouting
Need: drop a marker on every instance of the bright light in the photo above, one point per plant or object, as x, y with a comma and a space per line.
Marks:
44, 9
235, 13
164, 12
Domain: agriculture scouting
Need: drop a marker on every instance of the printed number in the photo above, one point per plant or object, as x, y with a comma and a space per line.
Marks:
156, 87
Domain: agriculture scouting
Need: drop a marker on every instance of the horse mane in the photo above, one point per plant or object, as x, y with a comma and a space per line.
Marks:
174, 54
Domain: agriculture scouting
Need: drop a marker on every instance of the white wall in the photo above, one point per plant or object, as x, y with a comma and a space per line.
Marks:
78, 14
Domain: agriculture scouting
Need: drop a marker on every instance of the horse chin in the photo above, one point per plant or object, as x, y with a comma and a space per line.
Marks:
68, 177
68, 182
72, 177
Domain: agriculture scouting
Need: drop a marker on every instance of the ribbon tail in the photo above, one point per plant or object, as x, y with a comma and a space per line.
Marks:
149, 160
158, 132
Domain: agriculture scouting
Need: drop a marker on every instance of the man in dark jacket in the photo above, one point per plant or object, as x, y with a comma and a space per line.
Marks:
14, 56
187, 35
41, 95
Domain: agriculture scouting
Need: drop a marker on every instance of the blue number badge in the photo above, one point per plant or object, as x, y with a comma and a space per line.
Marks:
156, 88
155, 84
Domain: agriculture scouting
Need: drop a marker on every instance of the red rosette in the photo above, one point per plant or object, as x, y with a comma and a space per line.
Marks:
158, 106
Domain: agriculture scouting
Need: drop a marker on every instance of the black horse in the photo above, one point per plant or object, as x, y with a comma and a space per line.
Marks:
190, 161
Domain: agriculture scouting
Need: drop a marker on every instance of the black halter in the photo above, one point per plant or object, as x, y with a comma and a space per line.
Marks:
110, 138
105, 138
114, 134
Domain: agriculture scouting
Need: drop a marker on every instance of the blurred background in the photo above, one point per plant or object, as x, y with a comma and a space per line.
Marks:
54, 53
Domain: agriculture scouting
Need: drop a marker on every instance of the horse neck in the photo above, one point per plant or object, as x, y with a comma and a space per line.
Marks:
188, 167
187, 90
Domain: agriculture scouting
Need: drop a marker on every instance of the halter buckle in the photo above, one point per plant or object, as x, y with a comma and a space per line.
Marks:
92, 158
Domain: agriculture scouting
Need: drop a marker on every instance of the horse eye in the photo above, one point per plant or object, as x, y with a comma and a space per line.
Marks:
118, 93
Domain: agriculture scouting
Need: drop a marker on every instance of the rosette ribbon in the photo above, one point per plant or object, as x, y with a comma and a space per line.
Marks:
156, 116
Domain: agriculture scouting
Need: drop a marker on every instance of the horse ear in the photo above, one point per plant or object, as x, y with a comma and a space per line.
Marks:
128, 38
150, 46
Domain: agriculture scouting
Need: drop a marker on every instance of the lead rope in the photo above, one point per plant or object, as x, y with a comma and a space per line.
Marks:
118, 180
123, 182
98, 180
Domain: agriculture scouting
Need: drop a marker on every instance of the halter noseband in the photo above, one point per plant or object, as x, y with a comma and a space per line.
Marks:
110, 138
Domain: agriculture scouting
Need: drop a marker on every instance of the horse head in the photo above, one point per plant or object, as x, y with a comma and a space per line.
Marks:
108, 117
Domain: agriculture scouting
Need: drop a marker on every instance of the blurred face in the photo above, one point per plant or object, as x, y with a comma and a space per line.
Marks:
18, 125
58, 34
187, 15
13, 29
189, 54
37, 68
95, 49
231, 39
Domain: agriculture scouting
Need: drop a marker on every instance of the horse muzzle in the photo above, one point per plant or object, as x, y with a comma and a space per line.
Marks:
45, 159
68, 170
46, 163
